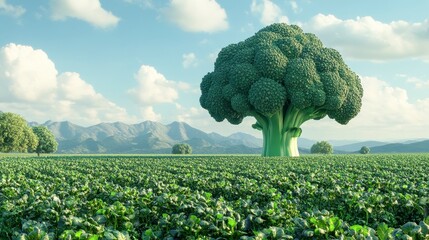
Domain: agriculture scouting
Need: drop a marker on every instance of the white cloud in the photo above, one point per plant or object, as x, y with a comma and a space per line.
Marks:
26, 74
419, 83
367, 38
385, 105
189, 60
73, 88
268, 12
149, 114
31, 86
197, 15
12, 10
387, 113
189, 115
295, 7
89, 11
153, 87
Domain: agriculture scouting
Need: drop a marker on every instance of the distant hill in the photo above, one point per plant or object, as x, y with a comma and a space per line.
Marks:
155, 137
147, 137
355, 147
414, 147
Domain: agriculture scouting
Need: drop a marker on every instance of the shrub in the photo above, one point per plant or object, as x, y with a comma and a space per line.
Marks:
364, 150
322, 147
182, 148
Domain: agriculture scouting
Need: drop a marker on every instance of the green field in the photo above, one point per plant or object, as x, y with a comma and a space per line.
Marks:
214, 197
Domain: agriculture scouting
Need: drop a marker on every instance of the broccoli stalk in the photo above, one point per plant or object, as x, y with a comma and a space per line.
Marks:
282, 77
282, 130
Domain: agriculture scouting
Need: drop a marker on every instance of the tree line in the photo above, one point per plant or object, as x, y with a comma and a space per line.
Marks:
17, 136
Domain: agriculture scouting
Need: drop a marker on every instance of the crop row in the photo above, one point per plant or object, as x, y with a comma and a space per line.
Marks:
125, 197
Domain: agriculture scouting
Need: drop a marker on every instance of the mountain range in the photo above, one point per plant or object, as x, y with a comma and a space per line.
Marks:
154, 137
146, 137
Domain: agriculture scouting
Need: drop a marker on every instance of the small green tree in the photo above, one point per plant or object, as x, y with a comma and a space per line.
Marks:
15, 134
182, 148
322, 147
364, 150
30, 141
47, 142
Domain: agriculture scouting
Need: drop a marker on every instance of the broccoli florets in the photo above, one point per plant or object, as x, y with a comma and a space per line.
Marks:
282, 77
267, 96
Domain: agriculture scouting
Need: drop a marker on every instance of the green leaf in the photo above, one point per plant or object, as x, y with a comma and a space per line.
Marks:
308, 233
101, 211
383, 231
356, 228
408, 227
148, 232
424, 227
79, 233
207, 195
259, 220
319, 231
109, 236
313, 220
194, 218
426, 220
93, 237
204, 223
128, 225
334, 223
231, 222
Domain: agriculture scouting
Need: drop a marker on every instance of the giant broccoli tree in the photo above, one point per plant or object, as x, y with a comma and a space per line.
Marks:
282, 77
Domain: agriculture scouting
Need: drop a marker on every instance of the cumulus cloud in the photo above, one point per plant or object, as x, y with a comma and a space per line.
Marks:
89, 11
31, 86
367, 38
387, 113
386, 105
26, 74
149, 114
197, 15
190, 115
189, 60
153, 87
268, 12
12, 10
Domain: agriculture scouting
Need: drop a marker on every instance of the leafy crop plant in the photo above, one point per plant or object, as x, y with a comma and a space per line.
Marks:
282, 77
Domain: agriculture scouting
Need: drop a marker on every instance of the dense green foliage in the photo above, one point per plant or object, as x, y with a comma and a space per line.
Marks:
282, 77
322, 147
364, 150
46, 140
15, 134
129, 197
181, 148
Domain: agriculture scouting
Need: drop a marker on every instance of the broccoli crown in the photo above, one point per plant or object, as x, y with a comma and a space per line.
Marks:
280, 65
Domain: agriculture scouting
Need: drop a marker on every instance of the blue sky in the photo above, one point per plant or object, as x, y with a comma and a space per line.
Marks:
98, 61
